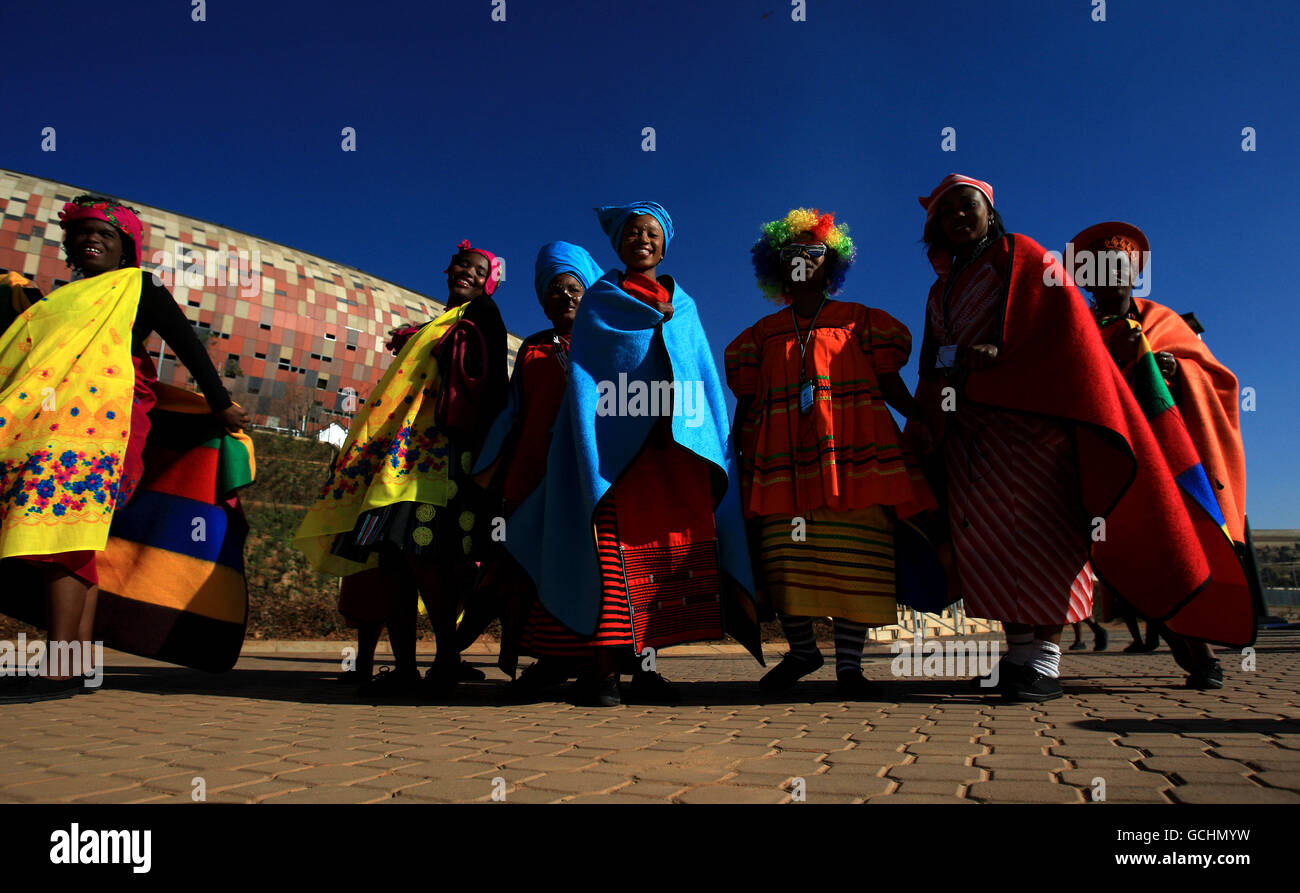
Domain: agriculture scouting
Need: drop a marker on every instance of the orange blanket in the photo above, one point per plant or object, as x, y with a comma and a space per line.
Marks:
1207, 395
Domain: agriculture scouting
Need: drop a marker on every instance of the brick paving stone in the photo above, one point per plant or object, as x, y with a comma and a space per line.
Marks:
436, 769
183, 782
1125, 778
1089, 752
724, 793
956, 749
1197, 763
1231, 793
900, 798
577, 782
937, 771
664, 790
329, 794
451, 790
858, 784
65, 787
790, 762
1282, 778
815, 745
260, 790
1018, 791
560, 763
998, 760
327, 775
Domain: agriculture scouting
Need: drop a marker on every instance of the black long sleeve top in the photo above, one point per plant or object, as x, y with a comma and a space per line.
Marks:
159, 312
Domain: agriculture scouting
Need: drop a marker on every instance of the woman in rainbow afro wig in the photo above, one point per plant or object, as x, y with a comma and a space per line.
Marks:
819, 446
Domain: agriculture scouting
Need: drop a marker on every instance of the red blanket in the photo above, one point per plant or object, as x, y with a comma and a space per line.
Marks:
1052, 362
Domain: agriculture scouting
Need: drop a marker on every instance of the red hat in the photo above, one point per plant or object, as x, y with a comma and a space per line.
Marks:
1114, 235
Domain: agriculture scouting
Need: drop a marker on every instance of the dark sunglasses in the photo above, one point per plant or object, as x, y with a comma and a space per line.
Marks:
798, 248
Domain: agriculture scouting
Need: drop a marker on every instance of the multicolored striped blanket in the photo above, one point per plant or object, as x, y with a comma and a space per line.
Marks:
1225, 601
172, 582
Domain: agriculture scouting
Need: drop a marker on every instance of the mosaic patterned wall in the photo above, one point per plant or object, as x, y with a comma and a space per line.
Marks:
290, 341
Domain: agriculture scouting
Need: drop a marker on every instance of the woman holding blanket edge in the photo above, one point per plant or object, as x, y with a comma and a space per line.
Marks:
75, 393
1190, 399
639, 511
1051, 466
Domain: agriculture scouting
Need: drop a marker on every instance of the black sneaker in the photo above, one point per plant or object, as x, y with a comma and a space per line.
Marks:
1007, 674
651, 688
853, 686
1033, 686
1078, 645
790, 670
1207, 677
1101, 639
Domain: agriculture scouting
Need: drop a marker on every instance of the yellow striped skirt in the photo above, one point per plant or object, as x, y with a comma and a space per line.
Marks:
831, 564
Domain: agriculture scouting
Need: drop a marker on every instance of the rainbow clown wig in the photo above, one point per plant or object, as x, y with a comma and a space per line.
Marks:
771, 269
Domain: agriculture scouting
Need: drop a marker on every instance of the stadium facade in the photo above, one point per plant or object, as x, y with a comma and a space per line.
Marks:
298, 338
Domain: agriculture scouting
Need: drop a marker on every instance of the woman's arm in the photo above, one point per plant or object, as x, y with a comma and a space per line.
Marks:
160, 313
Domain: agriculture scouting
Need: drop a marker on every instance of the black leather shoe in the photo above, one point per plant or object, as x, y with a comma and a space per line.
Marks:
790, 670
1033, 686
1007, 673
1207, 677
853, 686
651, 688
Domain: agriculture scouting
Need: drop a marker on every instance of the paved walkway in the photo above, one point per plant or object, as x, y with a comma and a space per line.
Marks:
278, 729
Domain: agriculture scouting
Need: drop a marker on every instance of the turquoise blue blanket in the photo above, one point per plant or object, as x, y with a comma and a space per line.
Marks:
551, 534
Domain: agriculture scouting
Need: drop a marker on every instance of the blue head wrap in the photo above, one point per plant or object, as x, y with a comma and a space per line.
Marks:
563, 257
613, 217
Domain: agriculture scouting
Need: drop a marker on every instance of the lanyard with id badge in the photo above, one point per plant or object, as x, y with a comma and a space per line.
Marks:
807, 385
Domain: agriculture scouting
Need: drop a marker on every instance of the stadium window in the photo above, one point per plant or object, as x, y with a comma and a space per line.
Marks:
260, 356
264, 325
329, 336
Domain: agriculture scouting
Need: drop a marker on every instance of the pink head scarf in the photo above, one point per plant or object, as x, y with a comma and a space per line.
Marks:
494, 265
952, 181
939, 258
119, 216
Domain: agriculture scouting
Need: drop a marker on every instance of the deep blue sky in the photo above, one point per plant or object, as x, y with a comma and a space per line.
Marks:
508, 134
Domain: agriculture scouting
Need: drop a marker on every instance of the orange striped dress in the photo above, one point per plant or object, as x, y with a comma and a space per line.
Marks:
821, 481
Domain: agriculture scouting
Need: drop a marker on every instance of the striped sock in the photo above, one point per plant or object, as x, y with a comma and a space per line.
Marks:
1047, 659
850, 636
799, 632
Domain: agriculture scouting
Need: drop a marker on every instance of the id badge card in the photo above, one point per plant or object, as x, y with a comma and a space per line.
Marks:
947, 357
806, 397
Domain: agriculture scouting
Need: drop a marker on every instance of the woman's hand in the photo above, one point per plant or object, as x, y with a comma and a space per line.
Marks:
233, 417
1124, 346
980, 356
1168, 364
